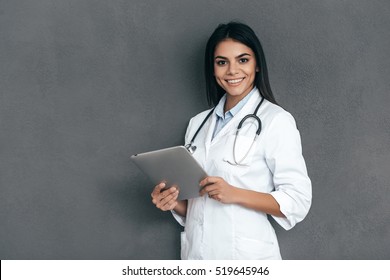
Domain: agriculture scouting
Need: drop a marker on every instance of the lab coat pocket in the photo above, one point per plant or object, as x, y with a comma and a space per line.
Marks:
184, 246
252, 249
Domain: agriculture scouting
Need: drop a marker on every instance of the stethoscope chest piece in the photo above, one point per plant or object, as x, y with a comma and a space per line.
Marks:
190, 148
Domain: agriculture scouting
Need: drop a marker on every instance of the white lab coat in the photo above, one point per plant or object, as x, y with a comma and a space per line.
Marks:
275, 165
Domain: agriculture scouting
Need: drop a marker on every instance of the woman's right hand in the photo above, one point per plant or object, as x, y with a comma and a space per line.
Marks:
166, 199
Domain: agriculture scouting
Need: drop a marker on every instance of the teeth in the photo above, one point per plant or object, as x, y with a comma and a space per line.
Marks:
234, 81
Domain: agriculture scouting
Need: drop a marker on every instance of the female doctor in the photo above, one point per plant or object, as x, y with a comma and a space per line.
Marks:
251, 148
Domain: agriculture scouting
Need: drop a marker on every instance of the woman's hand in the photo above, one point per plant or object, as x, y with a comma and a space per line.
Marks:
218, 189
165, 200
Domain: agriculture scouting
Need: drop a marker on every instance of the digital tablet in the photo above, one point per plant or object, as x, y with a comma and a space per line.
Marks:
174, 166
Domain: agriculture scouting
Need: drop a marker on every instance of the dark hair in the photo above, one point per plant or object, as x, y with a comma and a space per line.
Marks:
244, 34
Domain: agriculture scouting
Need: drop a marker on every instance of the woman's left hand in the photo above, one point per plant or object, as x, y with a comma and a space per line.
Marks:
218, 189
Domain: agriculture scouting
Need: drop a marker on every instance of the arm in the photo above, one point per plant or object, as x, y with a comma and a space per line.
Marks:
218, 189
181, 208
291, 199
258, 201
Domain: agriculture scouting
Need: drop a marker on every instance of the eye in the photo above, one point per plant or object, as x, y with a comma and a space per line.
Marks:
221, 62
243, 60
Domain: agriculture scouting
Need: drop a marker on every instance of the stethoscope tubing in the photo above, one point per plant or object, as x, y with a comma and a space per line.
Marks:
191, 148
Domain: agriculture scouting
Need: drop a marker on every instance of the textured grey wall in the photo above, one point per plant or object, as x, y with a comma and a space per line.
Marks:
86, 83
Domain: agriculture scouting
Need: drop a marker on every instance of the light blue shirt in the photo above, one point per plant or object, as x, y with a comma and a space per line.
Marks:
223, 119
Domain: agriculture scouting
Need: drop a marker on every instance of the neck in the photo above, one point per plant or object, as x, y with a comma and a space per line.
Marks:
232, 101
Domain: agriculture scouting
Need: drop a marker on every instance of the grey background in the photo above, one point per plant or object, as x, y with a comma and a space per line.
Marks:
84, 84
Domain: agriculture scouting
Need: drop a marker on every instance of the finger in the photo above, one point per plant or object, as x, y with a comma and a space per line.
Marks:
169, 195
203, 191
171, 203
214, 192
216, 197
208, 189
157, 189
207, 181
170, 206
167, 205
157, 195
166, 192
162, 202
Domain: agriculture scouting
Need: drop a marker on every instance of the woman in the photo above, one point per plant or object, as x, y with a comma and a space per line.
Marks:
252, 176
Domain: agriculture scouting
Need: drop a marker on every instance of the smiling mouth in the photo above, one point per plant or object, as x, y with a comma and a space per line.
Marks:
235, 81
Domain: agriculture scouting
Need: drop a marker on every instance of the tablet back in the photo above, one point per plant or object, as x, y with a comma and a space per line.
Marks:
175, 166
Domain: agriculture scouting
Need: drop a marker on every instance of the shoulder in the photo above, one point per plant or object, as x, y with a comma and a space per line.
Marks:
281, 135
195, 122
273, 113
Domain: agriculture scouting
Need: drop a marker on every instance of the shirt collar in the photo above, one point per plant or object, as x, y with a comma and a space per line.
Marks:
233, 111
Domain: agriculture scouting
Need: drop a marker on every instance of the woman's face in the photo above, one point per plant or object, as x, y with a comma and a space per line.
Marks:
234, 68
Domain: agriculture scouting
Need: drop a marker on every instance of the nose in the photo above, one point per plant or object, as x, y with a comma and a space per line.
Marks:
233, 68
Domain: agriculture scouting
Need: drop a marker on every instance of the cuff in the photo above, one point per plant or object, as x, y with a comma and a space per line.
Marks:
180, 219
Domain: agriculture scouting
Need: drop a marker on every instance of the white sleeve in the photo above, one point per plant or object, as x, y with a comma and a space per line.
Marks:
284, 158
180, 219
187, 135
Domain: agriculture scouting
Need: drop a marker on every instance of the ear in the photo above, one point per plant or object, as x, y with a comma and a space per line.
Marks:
257, 69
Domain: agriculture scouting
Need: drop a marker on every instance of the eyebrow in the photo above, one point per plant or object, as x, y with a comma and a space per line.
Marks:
239, 56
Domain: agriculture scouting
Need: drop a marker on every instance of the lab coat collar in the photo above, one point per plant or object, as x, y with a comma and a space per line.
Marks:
219, 109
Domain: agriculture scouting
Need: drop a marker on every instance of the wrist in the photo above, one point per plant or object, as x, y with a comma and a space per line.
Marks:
237, 195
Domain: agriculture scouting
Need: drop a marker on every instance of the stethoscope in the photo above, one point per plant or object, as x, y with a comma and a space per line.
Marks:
191, 148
